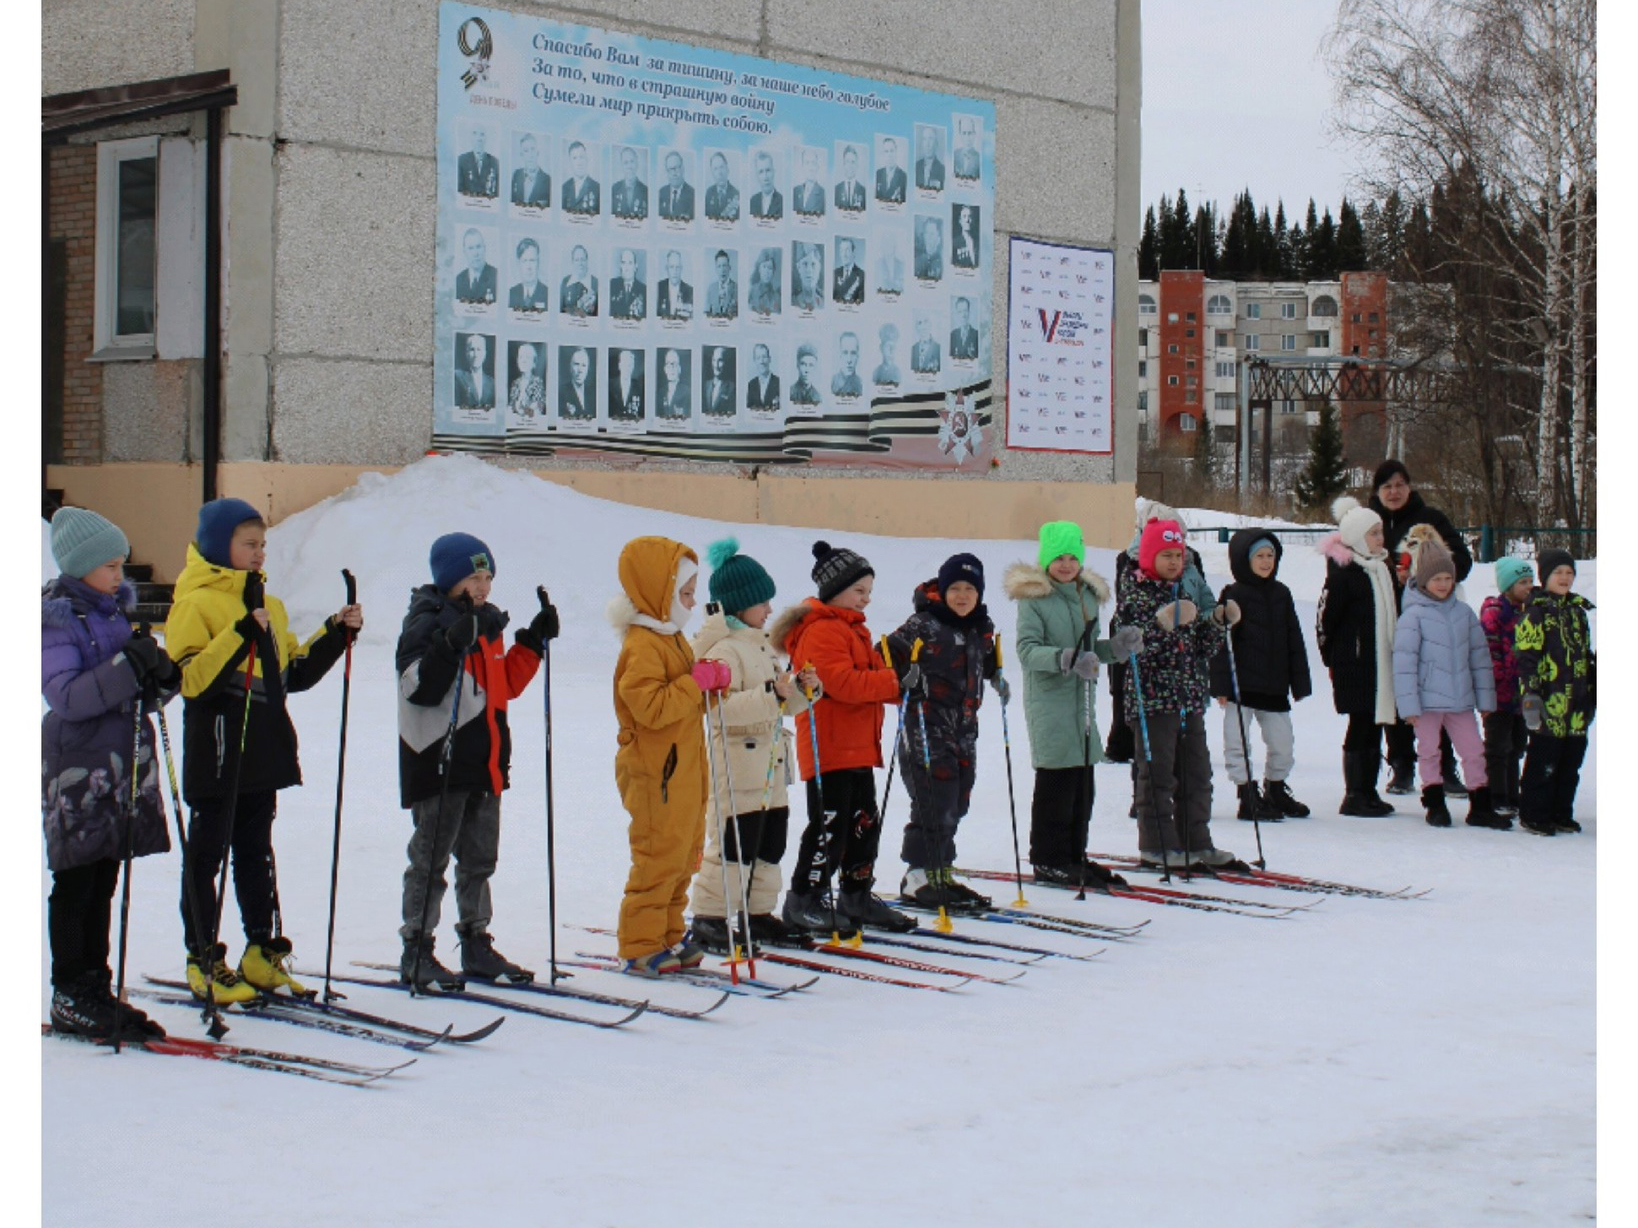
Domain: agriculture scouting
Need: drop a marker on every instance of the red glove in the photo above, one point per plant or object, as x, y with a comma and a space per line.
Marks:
712, 675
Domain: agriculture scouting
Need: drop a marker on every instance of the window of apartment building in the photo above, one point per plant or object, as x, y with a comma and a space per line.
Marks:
1191, 380
1288, 407
1254, 311
1143, 400
1372, 318
1224, 402
1188, 332
1252, 341
1185, 422
1225, 340
1225, 370
1288, 341
127, 248
1191, 396
1190, 362
1143, 368
1190, 317
1219, 305
1322, 340
1172, 380
1147, 305
1143, 338
1171, 317
1172, 349
1288, 311
1324, 305
1356, 317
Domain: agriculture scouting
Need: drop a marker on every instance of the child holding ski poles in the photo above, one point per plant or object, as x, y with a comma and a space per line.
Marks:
659, 697
239, 659
1268, 673
455, 678
950, 642
1059, 601
1166, 695
1558, 684
753, 710
838, 744
94, 673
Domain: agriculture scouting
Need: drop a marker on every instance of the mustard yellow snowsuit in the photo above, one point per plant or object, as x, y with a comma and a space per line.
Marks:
660, 766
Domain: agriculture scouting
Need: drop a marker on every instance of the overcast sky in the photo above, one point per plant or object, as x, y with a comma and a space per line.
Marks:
1235, 95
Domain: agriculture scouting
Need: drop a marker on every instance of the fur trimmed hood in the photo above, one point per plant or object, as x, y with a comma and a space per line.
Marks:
1027, 581
63, 599
1334, 548
784, 623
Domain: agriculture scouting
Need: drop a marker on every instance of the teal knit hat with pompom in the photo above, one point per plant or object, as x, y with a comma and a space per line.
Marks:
738, 581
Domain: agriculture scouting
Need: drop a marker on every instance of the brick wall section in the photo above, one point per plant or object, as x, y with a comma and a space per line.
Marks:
1183, 295
74, 219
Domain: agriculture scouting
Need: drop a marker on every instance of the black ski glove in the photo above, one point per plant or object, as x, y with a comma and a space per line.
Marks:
462, 634
544, 627
148, 660
254, 597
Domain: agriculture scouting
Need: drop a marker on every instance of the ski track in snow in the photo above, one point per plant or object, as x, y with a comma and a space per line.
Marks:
1367, 1062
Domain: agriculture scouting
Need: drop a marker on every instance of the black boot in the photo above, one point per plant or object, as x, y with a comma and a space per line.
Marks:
481, 962
418, 966
134, 1023
768, 930
1433, 801
1402, 776
712, 934
1447, 768
1481, 813
862, 910
1278, 796
811, 912
1359, 772
82, 1008
1253, 807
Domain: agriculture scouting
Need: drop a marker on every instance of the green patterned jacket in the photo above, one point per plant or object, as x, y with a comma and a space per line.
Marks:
1556, 661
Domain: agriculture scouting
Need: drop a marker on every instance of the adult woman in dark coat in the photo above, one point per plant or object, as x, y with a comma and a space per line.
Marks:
1401, 508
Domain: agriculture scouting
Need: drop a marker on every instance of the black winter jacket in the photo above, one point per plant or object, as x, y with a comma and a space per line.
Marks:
1396, 524
1347, 632
957, 655
1269, 653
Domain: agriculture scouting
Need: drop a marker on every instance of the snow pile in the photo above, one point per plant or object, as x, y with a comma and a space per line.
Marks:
1361, 1063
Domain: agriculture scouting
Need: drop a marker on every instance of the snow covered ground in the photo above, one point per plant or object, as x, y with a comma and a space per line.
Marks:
1366, 1062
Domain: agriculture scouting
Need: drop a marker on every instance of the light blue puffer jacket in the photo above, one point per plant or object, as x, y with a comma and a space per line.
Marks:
1441, 660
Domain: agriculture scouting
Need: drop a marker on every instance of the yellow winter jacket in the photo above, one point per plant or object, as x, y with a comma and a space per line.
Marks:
202, 636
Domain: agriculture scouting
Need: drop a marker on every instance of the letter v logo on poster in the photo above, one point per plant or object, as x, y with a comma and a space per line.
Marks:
1049, 323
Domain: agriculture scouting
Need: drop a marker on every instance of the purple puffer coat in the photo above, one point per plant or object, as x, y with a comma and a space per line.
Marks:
85, 739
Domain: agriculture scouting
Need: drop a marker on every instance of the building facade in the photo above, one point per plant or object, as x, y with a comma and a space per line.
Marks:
328, 211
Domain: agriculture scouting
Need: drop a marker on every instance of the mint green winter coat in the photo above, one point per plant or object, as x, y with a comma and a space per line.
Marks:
1051, 617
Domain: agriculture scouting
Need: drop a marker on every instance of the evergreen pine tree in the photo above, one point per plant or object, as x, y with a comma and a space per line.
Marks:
1268, 251
1188, 255
1205, 452
1148, 249
1350, 240
1326, 475
1284, 267
1205, 238
1310, 235
1322, 250
1232, 262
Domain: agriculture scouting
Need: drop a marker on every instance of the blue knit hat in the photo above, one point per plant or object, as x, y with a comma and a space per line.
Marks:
958, 568
1509, 571
738, 581
82, 541
455, 556
217, 520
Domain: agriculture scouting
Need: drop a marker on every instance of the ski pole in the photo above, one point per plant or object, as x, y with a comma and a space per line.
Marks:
446, 756
1180, 818
189, 894
1245, 745
942, 923
898, 736
341, 773
819, 871
739, 846
551, 813
1012, 800
125, 870
217, 1028
1083, 828
1149, 762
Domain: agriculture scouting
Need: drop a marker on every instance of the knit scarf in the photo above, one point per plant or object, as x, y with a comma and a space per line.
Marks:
1387, 618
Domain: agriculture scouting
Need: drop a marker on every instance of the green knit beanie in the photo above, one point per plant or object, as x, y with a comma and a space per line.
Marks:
738, 581
1059, 537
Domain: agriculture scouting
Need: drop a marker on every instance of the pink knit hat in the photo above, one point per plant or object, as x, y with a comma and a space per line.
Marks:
1159, 535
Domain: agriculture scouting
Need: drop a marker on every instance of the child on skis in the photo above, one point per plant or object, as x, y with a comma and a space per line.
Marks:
1358, 610
1271, 665
93, 674
1558, 683
659, 700
844, 826
453, 638
221, 622
756, 811
1172, 683
1058, 653
1441, 672
1504, 731
956, 654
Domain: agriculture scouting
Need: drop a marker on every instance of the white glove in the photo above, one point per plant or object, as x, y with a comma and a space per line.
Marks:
1082, 664
1228, 612
1175, 614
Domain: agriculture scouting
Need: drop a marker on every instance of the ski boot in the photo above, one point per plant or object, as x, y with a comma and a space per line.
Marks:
690, 954
1565, 825
226, 987
1173, 859
134, 1023
1101, 877
80, 1008
1480, 813
811, 912
481, 962
1214, 859
1253, 808
1277, 796
864, 911
962, 897
265, 965
1433, 801
652, 966
768, 930
1539, 827
419, 967
711, 933
927, 889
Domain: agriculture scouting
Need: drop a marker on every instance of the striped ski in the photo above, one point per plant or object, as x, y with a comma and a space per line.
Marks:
277, 1060
1281, 881
585, 995
701, 977
260, 1009
508, 1004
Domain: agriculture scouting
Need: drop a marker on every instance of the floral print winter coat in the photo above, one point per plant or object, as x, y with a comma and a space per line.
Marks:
1556, 661
1500, 619
1174, 667
87, 735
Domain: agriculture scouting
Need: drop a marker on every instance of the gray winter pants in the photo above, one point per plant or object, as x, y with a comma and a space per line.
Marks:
1279, 744
471, 831
1174, 785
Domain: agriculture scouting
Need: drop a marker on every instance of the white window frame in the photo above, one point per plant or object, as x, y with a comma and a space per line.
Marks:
1186, 423
1288, 311
1288, 341
1225, 370
1254, 311
1219, 305
1253, 342
107, 344
1147, 306
1322, 339
1225, 339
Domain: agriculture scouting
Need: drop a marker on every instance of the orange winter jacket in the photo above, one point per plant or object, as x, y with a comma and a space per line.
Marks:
660, 766
855, 684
